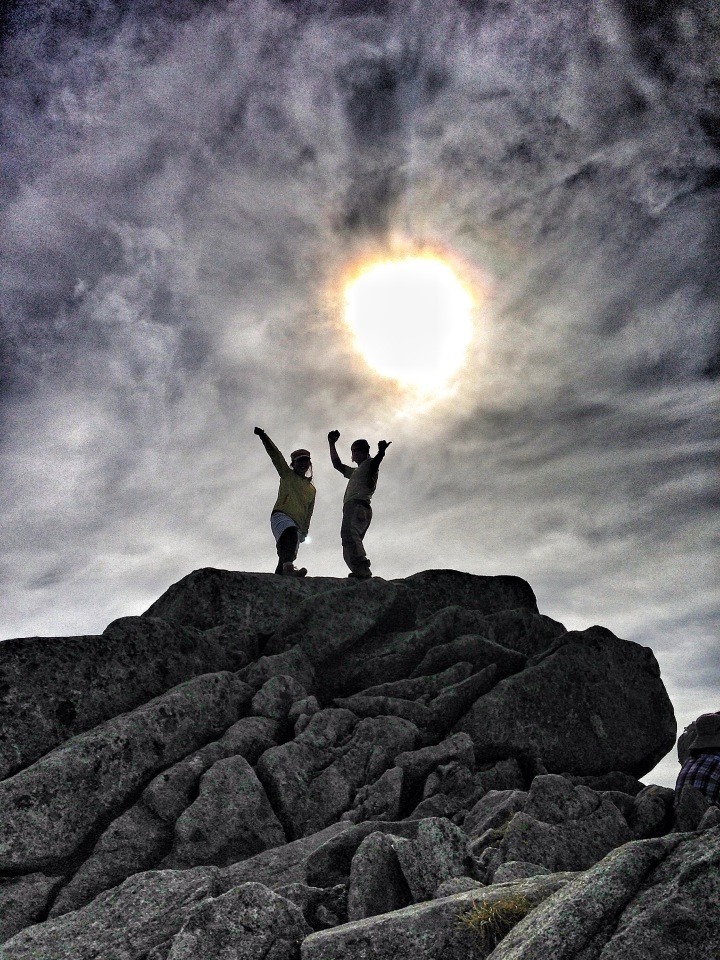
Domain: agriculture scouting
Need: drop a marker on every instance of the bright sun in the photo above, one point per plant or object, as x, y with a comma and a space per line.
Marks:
411, 319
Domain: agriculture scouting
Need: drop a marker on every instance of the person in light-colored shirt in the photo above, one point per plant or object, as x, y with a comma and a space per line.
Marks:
357, 512
290, 517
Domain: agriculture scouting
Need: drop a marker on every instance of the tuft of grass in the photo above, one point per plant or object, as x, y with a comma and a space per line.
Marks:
491, 921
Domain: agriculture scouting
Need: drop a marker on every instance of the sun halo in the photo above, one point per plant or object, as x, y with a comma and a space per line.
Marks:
411, 319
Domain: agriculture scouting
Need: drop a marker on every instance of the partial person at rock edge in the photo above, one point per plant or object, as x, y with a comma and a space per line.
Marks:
701, 768
290, 517
357, 512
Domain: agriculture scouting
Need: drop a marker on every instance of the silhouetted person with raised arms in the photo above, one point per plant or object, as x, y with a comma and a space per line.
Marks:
290, 517
357, 512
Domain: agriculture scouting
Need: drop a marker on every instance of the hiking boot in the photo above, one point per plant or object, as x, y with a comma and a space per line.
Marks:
290, 570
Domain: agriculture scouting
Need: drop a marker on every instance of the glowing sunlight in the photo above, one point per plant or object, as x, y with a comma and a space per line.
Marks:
411, 319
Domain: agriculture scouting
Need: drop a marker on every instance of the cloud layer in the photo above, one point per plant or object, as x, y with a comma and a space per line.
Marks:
184, 189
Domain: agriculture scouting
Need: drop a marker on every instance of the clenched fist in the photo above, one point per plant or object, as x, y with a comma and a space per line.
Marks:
333, 436
259, 431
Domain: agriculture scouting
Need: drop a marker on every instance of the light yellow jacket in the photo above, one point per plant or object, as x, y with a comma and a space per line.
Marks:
296, 495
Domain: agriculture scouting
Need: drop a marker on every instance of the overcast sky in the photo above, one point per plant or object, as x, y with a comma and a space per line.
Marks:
184, 187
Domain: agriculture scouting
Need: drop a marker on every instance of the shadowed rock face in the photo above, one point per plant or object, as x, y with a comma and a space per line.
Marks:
560, 705
53, 688
356, 748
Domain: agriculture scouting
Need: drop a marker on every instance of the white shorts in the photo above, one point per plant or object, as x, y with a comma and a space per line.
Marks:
279, 523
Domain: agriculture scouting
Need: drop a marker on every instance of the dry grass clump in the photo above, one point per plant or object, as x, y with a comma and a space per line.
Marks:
491, 921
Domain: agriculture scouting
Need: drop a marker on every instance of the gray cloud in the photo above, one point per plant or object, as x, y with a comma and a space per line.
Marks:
184, 188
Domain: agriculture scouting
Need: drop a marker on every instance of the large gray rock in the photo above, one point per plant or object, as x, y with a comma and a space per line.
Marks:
123, 924
649, 898
690, 806
438, 852
448, 791
651, 812
411, 710
377, 884
453, 790
614, 712
147, 910
276, 696
330, 863
54, 688
322, 907
474, 649
449, 888
291, 663
142, 837
418, 764
23, 900
313, 780
171, 782
454, 701
258, 602
430, 930
437, 589
249, 922
392, 657
379, 800
675, 914
230, 820
172, 791
332, 628
425, 687
518, 870
563, 827
135, 842
493, 810
54, 806
523, 631
283, 865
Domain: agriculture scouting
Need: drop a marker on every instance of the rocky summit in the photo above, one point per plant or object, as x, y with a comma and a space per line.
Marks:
268, 768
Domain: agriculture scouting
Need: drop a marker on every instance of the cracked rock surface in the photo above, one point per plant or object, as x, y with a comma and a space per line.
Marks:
321, 768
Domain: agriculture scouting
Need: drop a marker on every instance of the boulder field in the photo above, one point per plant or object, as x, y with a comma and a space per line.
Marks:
267, 768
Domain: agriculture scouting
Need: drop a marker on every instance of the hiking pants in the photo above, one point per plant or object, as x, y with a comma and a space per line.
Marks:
357, 515
287, 547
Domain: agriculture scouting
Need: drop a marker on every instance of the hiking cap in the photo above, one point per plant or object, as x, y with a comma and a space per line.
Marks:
707, 733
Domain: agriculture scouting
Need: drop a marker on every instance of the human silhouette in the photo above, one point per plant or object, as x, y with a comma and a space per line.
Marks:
357, 512
290, 517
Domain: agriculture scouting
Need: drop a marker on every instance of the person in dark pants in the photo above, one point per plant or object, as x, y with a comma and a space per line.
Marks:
357, 512
290, 517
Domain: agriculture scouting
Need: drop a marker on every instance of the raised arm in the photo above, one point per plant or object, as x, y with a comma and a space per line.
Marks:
333, 438
281, 465
378, 458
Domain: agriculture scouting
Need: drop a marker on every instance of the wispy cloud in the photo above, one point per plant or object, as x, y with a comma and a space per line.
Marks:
183, 191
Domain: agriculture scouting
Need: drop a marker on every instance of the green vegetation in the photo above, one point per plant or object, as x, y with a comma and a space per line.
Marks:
491, 921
